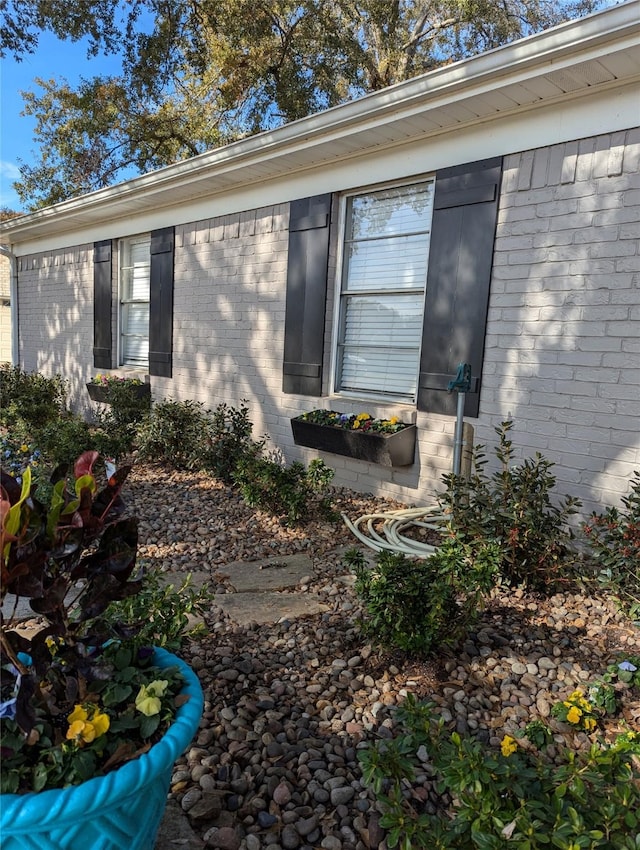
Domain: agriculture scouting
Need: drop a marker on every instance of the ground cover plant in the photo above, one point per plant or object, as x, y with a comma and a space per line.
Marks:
439, 790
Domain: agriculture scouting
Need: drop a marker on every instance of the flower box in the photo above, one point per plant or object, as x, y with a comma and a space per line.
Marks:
100, 392
397, 449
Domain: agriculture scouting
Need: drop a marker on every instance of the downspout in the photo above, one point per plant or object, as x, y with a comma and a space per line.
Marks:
13, 298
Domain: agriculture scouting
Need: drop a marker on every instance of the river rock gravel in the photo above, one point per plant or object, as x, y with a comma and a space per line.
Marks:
287, 705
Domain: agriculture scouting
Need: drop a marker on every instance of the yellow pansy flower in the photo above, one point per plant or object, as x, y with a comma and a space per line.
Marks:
589, 723
574, 714
508, 746
83, 730
148, 699
78, 713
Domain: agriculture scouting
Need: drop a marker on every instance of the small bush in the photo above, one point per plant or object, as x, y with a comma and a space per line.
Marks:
420, 605
513, 508
174, 433
293, 492
228, 441
158, 615
30, 397
614, 537
65, 440
118, 419
439, 791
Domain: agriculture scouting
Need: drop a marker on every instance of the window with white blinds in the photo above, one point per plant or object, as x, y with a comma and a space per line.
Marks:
384, 273
135, 266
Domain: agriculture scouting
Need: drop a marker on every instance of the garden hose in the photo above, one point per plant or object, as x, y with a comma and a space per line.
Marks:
394, 523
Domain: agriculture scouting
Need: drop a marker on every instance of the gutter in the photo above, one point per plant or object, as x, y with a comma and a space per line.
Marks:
6, 251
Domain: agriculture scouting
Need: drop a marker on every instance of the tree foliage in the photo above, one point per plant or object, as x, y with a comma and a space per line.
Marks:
199, 74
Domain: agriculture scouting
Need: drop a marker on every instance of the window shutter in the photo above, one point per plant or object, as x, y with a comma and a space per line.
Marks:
161, 303
102, 305
306, 295
458, 279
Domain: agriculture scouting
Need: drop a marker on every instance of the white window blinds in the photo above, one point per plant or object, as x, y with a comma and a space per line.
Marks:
386, 248
135, 268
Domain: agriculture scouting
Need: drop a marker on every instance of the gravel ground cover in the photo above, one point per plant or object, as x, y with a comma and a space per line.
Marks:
287, 705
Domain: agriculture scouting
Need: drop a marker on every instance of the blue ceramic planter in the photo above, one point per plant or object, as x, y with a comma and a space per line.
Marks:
119, 811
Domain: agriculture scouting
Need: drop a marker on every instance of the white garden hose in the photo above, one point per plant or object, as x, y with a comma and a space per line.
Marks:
395, 522
393, 525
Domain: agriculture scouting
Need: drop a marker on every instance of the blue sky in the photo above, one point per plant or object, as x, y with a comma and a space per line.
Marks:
53, 58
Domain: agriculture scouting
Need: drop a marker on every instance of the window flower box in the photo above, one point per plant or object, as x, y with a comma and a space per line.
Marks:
384, 442
100, 391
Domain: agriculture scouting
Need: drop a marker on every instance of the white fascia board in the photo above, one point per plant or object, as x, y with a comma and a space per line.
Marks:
578, 118
570, 44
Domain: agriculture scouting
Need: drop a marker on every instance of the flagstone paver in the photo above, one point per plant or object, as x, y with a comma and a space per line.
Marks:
262, 608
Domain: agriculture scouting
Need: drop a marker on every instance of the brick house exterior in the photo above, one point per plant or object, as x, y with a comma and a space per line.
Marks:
533, 151
5, 310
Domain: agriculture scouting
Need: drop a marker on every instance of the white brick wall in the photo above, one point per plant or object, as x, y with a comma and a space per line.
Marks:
55, 303
5, 309
563, 340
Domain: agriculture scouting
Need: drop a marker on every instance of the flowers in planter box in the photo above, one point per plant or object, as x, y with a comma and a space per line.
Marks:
108, 380
354, 421
79, 692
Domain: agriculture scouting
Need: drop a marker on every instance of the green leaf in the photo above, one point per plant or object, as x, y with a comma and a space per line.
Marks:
148, 725
39, 777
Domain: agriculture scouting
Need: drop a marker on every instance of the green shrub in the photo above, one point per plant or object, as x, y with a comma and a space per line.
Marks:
30, 397
513, 508
158, 615
439, 791
292, 492
614, 537
118, 419
228, 441
64, 440
419, 605
174, 432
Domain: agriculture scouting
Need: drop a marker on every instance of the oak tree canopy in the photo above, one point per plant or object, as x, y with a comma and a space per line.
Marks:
198, 74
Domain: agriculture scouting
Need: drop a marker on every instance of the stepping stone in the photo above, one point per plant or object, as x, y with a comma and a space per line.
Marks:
277, 573
263, 608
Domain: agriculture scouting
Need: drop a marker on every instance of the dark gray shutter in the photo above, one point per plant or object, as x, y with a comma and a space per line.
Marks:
161, 302
102, 305
306, 295
460, 259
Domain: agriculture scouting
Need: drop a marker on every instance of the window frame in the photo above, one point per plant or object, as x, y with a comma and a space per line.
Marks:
340, 298
125, 244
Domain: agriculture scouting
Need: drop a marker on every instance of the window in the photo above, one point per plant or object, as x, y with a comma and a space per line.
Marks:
382, 296
135, 275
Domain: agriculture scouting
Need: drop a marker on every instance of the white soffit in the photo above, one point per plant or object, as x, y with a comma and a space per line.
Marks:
570, 62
